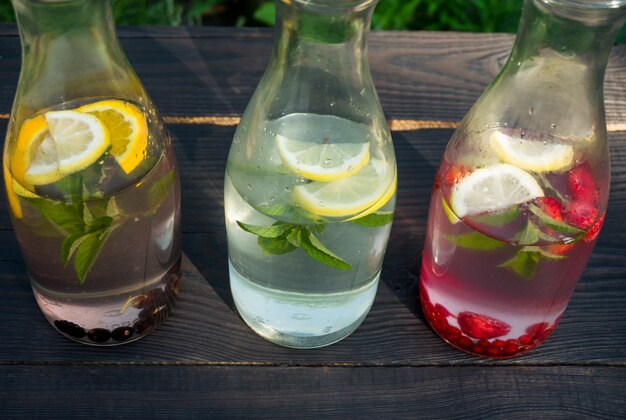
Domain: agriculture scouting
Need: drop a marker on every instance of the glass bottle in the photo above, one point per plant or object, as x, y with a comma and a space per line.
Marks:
91, 178
522, 189
310, 180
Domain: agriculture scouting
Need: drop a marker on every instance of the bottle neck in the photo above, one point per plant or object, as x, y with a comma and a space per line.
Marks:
321, 33
569, 28
70, 51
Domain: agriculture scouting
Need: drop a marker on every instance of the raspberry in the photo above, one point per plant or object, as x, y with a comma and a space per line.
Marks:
582, 186
537, 328
552, 207
481, 326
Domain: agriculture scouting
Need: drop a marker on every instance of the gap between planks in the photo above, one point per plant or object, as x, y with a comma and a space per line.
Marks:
394, 124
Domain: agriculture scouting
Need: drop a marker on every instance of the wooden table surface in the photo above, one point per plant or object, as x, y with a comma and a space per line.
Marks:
205, 362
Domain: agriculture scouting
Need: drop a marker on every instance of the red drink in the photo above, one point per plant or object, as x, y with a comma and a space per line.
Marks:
495, 283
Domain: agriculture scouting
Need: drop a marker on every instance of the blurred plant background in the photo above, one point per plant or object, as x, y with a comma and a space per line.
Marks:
435, 15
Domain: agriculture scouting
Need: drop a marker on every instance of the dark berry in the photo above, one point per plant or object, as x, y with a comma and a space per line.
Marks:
482, 326
142, 326
99, 335
70, 328
122, 333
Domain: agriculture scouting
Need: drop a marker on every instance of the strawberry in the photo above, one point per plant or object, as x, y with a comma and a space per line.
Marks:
581, 214
454, 174
551, 206
594, 230
582, 186
481, 326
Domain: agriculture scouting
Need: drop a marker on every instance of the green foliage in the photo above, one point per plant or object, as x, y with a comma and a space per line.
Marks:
434, 15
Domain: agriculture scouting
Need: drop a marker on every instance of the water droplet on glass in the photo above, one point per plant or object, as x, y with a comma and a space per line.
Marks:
249, 186
362, 92
553, 125
332, 103
350, 168
287, 189
328, 161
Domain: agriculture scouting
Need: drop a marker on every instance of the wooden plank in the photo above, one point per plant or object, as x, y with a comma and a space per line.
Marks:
213, 71
198, 391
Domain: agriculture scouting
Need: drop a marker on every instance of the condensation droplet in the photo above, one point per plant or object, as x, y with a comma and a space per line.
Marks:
328, 161
249, 186
553, 125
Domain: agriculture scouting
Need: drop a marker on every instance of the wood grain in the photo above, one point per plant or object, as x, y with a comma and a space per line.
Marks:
277, 392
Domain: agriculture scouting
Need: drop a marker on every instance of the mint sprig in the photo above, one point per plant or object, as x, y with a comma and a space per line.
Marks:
526, 260
282, 238
374, 219
476, 241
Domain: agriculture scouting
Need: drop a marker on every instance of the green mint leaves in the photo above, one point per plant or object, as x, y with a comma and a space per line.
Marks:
476, 241
525, 261
281, 238
374, 219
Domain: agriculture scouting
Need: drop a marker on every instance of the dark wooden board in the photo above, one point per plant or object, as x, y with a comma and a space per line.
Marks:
213, 71
201, 391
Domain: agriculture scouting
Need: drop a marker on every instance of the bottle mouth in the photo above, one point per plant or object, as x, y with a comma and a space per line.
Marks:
587, 11
332, 6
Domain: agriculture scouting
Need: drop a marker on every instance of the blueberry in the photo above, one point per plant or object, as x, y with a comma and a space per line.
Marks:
122, 333
70, 328
99, 335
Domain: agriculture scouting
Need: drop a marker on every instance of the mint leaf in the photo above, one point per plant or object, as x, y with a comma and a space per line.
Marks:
159, 191
277, 230
70, 243
476, 241
87, 251
374, 219
68, 217
295, 237
524, 262
277, 246
316, 250
274, 209
529, 235
560, 227
71, 186
499, 219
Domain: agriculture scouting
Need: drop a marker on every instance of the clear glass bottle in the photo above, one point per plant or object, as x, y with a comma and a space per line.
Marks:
310, 180
91, 178
522, 189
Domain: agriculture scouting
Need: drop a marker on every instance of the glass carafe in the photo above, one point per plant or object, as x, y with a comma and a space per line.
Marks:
522, 189
310, 181
91, 178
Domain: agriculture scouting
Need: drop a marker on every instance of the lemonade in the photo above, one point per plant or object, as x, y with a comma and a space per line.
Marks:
94, 197
308, 215
507, 240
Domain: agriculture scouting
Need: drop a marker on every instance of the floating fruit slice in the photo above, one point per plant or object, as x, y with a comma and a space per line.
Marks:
127, 127
79, 140
381, 202
348, 196
493, 188
481, 326
324, 161
532, 155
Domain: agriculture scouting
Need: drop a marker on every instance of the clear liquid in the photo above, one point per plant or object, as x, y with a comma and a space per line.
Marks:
135, 277
292, 299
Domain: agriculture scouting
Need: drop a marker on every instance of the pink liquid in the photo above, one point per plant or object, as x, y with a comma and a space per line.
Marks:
482, 307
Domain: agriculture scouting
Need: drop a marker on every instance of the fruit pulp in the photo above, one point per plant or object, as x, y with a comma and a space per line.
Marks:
133, 273
289, 297
474, 299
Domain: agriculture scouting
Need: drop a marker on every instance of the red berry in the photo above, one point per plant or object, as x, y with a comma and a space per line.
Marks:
451, 332
526, 339
511, 347
582, 186
442, 310
493, 351
498, 343
552, 207
454, 174
481, 326
581, 214
478, 349
464, 342
536, 328
594, 230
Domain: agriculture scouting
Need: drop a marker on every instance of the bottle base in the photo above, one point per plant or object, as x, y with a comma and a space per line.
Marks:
98, 325
301, 320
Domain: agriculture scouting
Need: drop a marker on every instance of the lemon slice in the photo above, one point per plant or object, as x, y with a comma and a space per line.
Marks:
79, 140
12, 198
324, 161
127, 127
347, 196
532, 155
381, 202
493, 188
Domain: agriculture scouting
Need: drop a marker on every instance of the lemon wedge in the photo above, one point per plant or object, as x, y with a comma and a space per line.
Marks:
79, 140
127, 128
532, 155
348, 196
325, 160
493, 188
